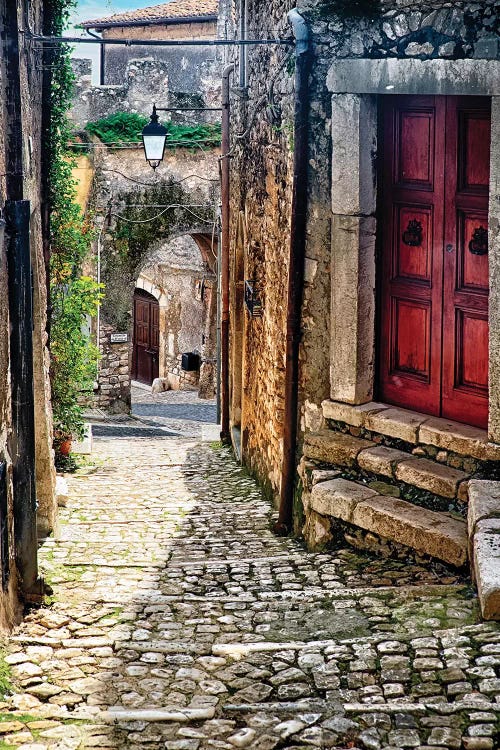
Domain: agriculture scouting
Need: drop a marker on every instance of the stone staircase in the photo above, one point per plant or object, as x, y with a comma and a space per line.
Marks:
391, 480
358, 494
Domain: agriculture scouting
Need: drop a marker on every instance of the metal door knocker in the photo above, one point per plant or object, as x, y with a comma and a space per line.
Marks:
479, 242
412, 235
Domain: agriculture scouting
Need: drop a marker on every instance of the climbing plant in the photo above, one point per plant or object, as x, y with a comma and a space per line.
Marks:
74, 295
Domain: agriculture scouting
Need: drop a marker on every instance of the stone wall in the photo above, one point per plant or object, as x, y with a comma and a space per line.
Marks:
30, 80
183, 80
125, 195
261, 191
260, 214
178, 277
190, 68
113, 376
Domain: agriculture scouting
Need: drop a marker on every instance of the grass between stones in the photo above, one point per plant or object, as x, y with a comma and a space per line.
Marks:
5, 676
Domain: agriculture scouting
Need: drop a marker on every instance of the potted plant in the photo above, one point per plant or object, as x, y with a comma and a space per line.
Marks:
73, 358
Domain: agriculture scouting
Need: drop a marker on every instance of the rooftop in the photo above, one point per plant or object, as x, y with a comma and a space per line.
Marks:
172, 12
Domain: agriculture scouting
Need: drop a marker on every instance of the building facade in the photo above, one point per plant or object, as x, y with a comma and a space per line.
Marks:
157, 246
395, 249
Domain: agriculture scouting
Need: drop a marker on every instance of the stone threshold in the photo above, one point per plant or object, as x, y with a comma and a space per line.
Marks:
414, 427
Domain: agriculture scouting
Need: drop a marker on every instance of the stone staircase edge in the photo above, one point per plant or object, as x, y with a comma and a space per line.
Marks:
437, 523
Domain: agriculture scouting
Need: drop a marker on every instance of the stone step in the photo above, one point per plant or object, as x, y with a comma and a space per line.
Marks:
347, 451
415, 427
334, 447
426, 531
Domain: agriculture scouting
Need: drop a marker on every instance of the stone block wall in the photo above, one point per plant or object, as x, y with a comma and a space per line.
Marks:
188, 79
261, 180
261, 175
113, 379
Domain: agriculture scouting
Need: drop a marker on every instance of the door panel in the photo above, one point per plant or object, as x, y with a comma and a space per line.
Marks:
412, 221
414, 162
412, 260
433, 348
145, 353
410, 337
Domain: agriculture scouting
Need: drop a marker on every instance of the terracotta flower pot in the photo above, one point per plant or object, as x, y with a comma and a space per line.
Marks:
64, 448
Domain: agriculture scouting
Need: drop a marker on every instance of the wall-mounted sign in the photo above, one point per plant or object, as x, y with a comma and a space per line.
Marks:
119, 338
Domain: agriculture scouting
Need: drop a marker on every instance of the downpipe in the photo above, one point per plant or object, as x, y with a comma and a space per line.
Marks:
284, 523
22, 440
224, 255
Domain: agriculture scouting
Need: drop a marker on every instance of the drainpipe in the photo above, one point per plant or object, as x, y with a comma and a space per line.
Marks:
224, 265
19, 276
296, 270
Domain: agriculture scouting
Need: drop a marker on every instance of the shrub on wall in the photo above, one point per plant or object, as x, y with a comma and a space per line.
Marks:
126, 127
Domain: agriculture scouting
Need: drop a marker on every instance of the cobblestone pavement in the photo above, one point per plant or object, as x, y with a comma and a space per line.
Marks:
180, 621
181, 412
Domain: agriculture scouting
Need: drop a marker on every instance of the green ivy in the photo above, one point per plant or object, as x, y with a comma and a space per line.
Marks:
126, 127
74, 296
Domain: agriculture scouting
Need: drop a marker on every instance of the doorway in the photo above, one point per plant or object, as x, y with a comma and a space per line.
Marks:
146, 346
433, 241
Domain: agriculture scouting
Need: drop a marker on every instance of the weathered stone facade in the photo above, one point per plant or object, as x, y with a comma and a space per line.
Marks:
144, 82
158, 234
29, 81
359, 52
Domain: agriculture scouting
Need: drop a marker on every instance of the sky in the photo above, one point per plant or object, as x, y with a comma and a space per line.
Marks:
90, 9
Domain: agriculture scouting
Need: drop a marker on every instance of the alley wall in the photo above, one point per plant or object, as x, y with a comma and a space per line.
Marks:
31, 104
261, 182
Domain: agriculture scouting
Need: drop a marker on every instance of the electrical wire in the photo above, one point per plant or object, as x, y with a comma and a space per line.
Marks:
157, 216
155, 184
260, 103
115, 145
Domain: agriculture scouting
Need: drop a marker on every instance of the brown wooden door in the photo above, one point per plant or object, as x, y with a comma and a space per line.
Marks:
433, 347
145, 354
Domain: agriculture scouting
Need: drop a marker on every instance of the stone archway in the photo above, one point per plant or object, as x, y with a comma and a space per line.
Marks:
179, 274
145, 216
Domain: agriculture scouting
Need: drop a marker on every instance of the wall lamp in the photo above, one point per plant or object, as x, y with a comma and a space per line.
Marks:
154, 137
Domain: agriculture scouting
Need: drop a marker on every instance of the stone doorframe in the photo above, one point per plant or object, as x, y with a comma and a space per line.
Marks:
355, 85
147, 285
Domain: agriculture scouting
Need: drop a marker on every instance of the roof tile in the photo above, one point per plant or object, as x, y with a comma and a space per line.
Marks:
176, 9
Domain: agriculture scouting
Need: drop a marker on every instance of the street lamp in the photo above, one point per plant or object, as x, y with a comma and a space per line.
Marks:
154, 137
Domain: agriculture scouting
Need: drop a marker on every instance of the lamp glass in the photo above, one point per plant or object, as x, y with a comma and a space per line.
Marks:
154, 146
154, 137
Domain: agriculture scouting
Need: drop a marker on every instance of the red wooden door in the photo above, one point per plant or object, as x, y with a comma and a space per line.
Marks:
433, 348
145, 352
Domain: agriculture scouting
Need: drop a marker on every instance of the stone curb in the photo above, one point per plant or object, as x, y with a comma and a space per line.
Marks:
483, 522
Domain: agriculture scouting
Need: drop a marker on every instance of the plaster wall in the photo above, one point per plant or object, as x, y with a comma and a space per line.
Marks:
200, 30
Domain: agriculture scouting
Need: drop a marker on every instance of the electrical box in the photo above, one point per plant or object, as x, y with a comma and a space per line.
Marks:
190, 361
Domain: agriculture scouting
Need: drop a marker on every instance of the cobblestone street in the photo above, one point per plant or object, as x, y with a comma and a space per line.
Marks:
180, 621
